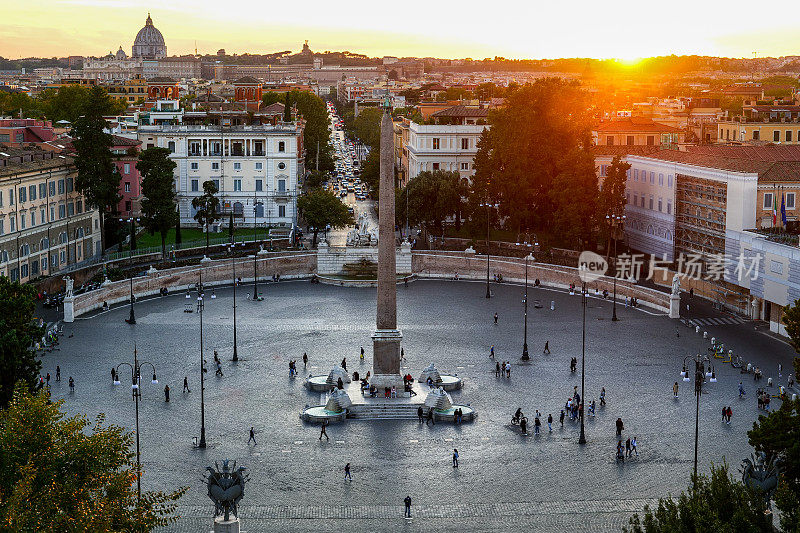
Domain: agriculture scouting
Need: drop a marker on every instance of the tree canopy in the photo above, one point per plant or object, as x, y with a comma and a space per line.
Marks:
432, 197
62, 473
158, 189
321, 208
65, 103
207, 206
315, 113
18, 333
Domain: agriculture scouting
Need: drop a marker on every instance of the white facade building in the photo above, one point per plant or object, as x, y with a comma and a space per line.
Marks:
442, 147
649, 207
255, 168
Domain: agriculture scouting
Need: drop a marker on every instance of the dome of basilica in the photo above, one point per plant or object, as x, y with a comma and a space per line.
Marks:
149, 42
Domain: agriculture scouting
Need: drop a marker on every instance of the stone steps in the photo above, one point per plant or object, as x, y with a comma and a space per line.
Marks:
384, 412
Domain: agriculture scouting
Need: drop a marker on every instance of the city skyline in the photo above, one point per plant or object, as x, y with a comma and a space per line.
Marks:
95, 27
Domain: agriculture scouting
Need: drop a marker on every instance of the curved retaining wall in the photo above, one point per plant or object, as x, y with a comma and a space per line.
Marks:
215, 272
472, 266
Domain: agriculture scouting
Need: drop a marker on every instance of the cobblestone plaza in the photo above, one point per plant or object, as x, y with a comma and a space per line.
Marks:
504, 480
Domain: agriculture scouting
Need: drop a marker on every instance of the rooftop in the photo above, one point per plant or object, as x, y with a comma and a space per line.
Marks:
461, 111
766, 169
28, 158
635, 124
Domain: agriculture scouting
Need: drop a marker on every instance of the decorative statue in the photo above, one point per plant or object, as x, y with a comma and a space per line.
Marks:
676, 285
759, 473
226, 487
68, 289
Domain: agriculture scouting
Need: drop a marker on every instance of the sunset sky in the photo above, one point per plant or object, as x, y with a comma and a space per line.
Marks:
512, 28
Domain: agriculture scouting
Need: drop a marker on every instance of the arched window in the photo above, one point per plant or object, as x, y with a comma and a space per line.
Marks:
668, 235
44, 244
238, 208
650, 229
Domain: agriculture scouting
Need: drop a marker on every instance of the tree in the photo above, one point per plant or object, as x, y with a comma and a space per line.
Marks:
98, 178
321, 208
178, 235
18, 362
717, 504
315, 179
316, 132
158, 189
433, 196
207, 206
67, 474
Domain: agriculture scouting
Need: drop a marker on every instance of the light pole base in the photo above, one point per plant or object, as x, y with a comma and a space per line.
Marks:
614, 316
525, 356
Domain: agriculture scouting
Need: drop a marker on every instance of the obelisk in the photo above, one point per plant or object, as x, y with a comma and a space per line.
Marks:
386, 339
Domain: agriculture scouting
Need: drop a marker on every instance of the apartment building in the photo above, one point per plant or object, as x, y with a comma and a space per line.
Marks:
255, 166
45, 224
636, 131
762, 124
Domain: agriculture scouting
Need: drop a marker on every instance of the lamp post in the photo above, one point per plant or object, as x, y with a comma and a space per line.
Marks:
615, 222
132, 318
235, 349
135, 382
200, 307
255, 276
525, 355
487, 205
582, 438
700, 375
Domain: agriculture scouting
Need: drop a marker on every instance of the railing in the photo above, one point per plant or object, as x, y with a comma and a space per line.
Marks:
778, 236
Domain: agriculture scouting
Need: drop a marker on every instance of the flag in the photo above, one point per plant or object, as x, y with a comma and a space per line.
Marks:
783, 210
774, 210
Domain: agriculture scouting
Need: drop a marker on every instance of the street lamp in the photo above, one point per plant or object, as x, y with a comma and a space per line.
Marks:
700, 375
137, 393
235, 349
132, 318
525, 356
582, 438
132, 222
200, 307
615, 221
487, 205
255, 276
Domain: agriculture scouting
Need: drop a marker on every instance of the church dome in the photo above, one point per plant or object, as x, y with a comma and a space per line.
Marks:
149, 42
121, 54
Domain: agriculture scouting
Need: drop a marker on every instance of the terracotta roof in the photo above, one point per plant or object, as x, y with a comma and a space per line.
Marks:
624, 150
767, 170
635, 124
774, 108
461, 111
118, 140
246, 80
769, 152
273, 108
162, 79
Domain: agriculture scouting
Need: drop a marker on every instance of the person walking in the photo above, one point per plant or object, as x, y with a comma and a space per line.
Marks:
495, 318
58, 373
537, 424
362, 353
71, 385
546, 350
550, 422
675, 390
305, 359
620, 426
728, 414
48, 379
497, 369
634, 450
430, 419
491, 352
741, 390
508, 369
347, 475
252, 436
455, 458
344, 363
166, 393
113, 374
420, 414
628, 447
186, 384
724, 413
561, 418
603, 397
323, 430
407, 501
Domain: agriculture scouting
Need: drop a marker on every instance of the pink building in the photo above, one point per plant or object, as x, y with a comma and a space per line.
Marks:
126, 154
16, 131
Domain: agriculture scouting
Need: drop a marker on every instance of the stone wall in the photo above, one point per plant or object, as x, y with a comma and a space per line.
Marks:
290, 265
330, 260
469, 265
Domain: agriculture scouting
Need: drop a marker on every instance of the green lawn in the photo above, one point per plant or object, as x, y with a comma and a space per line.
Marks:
145, 240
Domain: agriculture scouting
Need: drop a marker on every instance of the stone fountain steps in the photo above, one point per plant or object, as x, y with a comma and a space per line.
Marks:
388, 411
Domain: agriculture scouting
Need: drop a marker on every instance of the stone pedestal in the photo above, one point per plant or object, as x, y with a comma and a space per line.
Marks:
226, 526
674, 306
386, 359
69, 309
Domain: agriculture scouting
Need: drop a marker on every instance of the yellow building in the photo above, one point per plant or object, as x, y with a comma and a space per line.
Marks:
130, 91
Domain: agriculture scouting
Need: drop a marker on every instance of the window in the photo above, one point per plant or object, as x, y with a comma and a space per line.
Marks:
435, 166
60, 186
258, 148
651, 140
776, 136
194, 148
435, 143
216, 183
33, 218
789, 200
281, 185
281, 146
237, 166
635, 199
756, 135
259, 185
32, 192
610, 140
2, 227
788, 136
22, 221
171, 146
24, 270
641, 204
12, 223
659, 204
69, 185
62, 211
281, 165
22, 195
52, 188
464, 166
127, 186
630, 140
42, 191
767, 200
63, 257
34, 268
259, 166
44, 264
660, 180
70, 209
259, 210
195, 185
52, 213
54, 261
636, 174
127, 205
216, 149
281, 210
652, 178
44, 244
237, 185
42, 216
126, 168
669, 181
214, 166
1, 198
194, 166
604, 170
465, 144
10, 196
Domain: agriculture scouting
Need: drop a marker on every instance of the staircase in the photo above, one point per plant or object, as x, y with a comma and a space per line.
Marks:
385, 411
